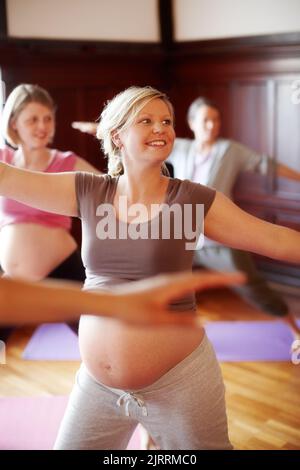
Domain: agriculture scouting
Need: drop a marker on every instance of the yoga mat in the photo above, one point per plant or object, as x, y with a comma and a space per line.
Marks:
233, 341
31, 423
250, 340
52, 342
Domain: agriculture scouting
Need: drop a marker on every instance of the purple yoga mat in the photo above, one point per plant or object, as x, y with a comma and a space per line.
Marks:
31, 423
250, 341
233, 341
52, 342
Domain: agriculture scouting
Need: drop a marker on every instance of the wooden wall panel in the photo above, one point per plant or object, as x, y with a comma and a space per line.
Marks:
287, 125
80, 77
252, 86
249, 114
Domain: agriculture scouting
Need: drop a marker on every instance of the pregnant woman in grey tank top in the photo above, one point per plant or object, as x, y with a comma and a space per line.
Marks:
136, 222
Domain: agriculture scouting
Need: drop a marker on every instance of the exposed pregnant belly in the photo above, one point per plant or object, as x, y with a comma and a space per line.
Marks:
32, 251
131, 357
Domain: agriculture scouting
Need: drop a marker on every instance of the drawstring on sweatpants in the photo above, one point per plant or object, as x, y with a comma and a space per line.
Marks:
126, 398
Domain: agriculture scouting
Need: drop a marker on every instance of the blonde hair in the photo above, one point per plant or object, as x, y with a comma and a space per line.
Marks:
16, 102
118, 115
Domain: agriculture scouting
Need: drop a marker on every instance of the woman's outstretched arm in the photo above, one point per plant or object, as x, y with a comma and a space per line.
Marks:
231, 226
141, 302
51, 192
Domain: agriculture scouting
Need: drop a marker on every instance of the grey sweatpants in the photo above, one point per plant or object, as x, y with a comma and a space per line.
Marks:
256, 291
183, 409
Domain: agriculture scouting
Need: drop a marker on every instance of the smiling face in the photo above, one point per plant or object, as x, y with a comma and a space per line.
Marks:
206, 125
150, 137
34, 125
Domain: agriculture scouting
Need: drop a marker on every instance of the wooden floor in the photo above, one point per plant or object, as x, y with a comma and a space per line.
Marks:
263, 399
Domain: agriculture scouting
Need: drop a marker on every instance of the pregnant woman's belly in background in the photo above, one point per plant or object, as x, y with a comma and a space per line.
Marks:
131, 357
32, 251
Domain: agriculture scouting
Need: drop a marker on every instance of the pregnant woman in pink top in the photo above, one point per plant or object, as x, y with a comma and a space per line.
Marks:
35, 244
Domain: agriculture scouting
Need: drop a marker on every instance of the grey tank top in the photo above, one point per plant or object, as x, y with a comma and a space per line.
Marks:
114, 252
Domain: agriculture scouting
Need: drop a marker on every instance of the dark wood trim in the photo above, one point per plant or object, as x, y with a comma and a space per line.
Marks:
279, 44
3, 19
78, 49
166, 23
285, 43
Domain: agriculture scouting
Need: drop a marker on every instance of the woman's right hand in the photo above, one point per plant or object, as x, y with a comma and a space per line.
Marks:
85, 126
147, 301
